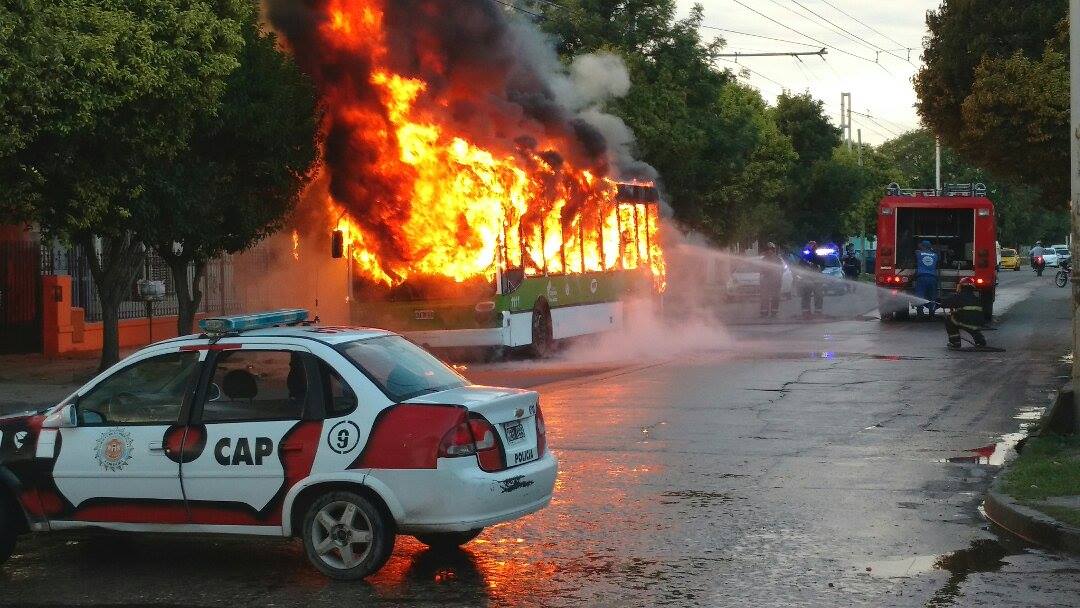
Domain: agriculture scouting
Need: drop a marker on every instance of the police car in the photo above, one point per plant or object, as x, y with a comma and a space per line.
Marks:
342, 437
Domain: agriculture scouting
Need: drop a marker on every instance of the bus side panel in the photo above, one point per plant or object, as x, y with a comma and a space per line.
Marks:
572, 321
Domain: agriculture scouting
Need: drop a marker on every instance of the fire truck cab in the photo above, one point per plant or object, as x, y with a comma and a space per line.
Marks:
960, 224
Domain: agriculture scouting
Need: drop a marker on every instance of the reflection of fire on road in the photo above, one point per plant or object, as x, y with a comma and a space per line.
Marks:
448, 150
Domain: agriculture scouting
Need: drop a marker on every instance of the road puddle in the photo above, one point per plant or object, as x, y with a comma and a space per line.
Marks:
984, 555
994, 454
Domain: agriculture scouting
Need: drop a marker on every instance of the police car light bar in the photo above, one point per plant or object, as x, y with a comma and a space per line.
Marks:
259, 320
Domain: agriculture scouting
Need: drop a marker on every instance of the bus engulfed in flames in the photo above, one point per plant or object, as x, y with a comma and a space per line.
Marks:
443, 163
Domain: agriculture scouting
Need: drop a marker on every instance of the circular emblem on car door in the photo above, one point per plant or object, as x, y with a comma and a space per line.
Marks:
113, 449
343, 437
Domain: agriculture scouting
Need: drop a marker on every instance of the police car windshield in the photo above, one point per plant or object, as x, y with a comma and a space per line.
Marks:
400, 368
831, 261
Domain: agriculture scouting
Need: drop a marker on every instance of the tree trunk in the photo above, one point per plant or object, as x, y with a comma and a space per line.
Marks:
188, 294
1074, 131
114, 269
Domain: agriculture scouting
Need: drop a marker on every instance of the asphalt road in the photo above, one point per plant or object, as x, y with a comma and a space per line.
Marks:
770, 464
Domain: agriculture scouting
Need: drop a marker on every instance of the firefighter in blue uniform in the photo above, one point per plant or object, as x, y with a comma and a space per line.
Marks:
966, 313
926, 276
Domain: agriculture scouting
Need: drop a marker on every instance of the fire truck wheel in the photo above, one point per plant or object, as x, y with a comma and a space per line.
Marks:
8, 527
443, 541
543, 341
346, 537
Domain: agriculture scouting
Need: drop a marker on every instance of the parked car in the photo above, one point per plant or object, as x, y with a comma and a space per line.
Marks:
1063, 254
1010, 259
745, 281
341, 437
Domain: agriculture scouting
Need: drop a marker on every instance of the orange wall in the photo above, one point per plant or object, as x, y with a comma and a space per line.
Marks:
65, 331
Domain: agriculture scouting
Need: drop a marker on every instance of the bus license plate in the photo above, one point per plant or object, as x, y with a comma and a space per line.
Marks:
514, 431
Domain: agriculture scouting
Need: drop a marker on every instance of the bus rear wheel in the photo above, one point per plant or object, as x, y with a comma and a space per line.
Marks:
543, 339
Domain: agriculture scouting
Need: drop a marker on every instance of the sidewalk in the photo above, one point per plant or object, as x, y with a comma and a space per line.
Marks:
32, 381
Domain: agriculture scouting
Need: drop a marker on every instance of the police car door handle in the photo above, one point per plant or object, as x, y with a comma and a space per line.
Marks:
157, 446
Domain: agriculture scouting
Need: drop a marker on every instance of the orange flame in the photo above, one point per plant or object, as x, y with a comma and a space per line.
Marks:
459, 209
296, 245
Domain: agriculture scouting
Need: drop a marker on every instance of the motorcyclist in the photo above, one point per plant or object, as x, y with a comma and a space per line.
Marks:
772, 275
966, 313
926, 276
809, 280
851, 265
1038, 262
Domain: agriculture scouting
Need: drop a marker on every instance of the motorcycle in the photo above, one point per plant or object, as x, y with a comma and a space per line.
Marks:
1038, 264
1063, 276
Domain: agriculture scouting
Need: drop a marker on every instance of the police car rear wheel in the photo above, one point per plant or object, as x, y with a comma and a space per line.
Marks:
448, 540
346, 537
8, 531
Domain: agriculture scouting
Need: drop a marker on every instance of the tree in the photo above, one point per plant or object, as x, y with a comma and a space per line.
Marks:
1020, 217
721, 160
241, 173
994, 88
140, 73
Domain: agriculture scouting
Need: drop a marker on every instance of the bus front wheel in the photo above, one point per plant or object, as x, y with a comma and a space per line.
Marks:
543, 339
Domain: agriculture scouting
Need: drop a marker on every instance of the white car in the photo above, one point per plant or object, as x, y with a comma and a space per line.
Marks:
342, 437
1063, 254
745, 279
1050, 256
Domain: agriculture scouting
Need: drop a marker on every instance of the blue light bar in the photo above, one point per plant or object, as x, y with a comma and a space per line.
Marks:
259, 320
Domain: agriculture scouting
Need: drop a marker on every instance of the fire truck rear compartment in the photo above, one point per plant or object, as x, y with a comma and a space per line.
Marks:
950, 231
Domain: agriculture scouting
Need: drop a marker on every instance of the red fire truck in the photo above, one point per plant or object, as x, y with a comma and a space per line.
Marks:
960, 224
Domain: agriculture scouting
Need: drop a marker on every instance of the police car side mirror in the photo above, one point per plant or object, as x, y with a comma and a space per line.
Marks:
63, 418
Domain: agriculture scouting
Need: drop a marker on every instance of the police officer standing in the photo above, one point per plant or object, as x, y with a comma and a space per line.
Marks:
809, 280
772, 275
926, 276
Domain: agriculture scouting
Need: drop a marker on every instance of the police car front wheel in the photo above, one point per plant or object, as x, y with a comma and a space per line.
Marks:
346, 537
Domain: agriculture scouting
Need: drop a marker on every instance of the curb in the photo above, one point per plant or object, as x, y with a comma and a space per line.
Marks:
1027, 523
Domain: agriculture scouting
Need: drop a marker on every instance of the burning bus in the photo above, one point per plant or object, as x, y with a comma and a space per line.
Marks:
535, 291
476, 188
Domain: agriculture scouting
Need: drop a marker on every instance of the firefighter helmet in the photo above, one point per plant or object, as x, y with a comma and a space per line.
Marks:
967, 282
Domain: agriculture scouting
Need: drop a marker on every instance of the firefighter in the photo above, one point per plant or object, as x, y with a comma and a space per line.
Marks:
809, 280
772, 276
851, 265
926, 276
966, 313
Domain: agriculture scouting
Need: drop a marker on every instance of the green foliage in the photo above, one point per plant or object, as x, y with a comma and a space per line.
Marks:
1020, 214
995, 88
242, 172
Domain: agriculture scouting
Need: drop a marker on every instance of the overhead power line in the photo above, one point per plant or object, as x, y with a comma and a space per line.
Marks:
795, 54
876, 122
807, 36
720, 29
518, 8
867, 42
756, 73
856, 20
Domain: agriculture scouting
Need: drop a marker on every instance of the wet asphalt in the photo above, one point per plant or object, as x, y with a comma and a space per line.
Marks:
786, 463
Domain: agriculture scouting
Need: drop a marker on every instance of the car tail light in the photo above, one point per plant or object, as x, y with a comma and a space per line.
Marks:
979, 281
541, 432
489, 453
458, 442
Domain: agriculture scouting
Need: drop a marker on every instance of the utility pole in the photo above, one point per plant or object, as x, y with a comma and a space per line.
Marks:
845, 118
937, 163
1074, 148
862, 225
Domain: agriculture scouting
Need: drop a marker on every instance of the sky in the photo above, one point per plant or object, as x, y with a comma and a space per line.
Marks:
879, 83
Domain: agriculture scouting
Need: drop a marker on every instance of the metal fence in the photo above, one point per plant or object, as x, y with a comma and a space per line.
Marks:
217, 284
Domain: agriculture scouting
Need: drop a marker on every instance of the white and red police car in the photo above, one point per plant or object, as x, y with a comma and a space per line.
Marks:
343, 437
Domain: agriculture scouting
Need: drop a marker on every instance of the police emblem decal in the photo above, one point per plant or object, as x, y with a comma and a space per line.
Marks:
113, 449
